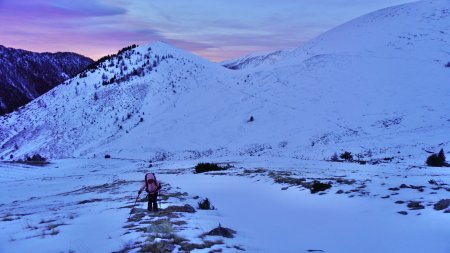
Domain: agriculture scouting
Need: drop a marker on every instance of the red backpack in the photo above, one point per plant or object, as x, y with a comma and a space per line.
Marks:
151, 185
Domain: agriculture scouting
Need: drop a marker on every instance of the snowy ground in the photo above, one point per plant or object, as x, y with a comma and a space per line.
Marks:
83, 205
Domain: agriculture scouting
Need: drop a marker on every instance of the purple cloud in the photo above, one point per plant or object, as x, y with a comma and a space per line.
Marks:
217, 29
43, 9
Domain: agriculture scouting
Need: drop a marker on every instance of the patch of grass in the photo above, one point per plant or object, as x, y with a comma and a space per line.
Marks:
36, 158
53, 226
179, 223
46, 221
72, 216
314, 186
180, 209
8, 217
178, 195
205, 205
238, 247
127, 248
289, 180
188, 247
54, 232
88, 201
116, 184
347, 156
437, 160
32, 163
205, 167
136, 217
162, 246
31, 227
254, 171
221, 231
317, 186
334, 158
162, 226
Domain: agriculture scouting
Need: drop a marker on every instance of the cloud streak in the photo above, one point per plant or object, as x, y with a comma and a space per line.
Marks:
217, 29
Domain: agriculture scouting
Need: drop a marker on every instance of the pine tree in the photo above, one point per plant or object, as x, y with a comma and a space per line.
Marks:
441, 156
436, 160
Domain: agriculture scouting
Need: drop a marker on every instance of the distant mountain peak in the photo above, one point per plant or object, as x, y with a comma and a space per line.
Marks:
25, 75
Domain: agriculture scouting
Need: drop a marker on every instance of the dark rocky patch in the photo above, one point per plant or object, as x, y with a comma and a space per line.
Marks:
442, 204
88, 201
317, 186
415, 205
181, 209
205, 205
222, 231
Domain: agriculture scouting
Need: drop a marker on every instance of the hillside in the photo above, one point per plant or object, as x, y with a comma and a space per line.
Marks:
26, 75
416, 31
376, 92
256, 59
105, 102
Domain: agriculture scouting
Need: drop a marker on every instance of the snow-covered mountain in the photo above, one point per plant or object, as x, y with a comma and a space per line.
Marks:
26, 75
376, 86
256, 59
418, 31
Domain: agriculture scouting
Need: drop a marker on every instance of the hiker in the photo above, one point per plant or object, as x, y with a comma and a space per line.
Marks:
151, 186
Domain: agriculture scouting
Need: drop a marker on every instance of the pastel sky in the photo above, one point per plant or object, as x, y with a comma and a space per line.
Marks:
215, 29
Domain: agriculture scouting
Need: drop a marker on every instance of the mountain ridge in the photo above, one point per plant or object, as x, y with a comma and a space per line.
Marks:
25, 75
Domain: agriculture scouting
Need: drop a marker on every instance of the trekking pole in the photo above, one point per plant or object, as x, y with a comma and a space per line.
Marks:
132, 209
159, 199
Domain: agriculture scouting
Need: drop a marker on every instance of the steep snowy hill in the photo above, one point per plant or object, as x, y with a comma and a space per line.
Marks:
416, 31
114, 98
26, 75
376, 86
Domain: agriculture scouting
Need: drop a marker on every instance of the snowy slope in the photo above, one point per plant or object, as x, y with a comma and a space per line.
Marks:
415, 31
26, 75
83, 205
366, 87
256, 59
86, 111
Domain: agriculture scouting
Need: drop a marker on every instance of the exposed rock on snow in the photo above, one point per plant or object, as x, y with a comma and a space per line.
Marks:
182, 209
222, 231
442, 204
415, 205
318, 186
